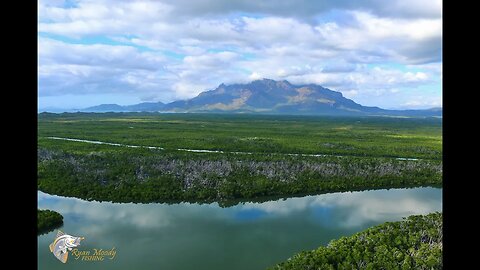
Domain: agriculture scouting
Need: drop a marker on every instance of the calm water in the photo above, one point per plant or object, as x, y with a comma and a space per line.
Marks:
247, 236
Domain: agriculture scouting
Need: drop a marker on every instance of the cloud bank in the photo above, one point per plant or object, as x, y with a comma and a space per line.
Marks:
379, 53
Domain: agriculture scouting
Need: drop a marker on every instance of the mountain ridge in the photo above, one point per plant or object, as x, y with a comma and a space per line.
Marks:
266, 96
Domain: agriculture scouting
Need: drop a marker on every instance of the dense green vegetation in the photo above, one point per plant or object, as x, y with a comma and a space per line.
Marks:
414, 243
142, 175
352, 136
48, 220
368, 147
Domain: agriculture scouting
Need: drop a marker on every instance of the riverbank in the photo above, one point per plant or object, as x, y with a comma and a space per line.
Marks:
414, 243
222, 158
145, 175
48, 220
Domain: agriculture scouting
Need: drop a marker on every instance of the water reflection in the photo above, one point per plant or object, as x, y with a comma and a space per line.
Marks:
245, 236
352, 209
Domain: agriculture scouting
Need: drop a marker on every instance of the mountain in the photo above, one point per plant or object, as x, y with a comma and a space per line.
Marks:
282, 97
57, 110
268, 96
141, 107
105, 108
146, 107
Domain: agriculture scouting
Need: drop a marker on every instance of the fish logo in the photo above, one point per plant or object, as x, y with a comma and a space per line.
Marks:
62, 243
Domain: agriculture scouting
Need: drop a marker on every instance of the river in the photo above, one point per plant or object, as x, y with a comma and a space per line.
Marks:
247, 236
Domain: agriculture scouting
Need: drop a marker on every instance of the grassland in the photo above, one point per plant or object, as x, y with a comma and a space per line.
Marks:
366, 136
361, 154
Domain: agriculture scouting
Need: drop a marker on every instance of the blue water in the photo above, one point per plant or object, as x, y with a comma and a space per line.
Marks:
245, 236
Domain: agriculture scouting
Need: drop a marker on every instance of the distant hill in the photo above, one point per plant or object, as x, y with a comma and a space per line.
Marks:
267, 96
105, 108
141, 107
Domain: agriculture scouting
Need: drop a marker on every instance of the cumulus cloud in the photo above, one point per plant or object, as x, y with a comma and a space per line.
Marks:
99, 55
307, 8
339, 68
66, 68
172, 50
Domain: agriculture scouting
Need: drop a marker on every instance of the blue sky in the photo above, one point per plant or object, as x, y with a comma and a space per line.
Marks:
378, 53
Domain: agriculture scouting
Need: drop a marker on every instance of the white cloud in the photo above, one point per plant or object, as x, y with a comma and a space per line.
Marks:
198, 45
75, 68
97, 55
305, 9
350, 93
185, 90
255, 76
211, 60
385, 37
423, 102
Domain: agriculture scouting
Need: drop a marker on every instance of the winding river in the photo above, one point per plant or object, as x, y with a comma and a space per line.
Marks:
208, 237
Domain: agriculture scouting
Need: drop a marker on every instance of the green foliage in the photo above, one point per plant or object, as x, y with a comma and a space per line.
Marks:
48, 220
414, 243
352, 136
121, 174
141, 175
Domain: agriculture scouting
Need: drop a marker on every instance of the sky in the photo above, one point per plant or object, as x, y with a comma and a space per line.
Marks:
376, 52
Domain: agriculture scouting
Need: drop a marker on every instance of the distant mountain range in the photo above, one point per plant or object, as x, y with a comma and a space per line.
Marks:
141, 107
268, 97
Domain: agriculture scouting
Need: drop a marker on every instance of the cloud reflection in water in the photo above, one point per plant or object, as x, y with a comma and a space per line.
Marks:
245, 236
348, 209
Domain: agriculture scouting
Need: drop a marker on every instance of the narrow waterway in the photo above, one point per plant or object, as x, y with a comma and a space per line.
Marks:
199, 150
208, 237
